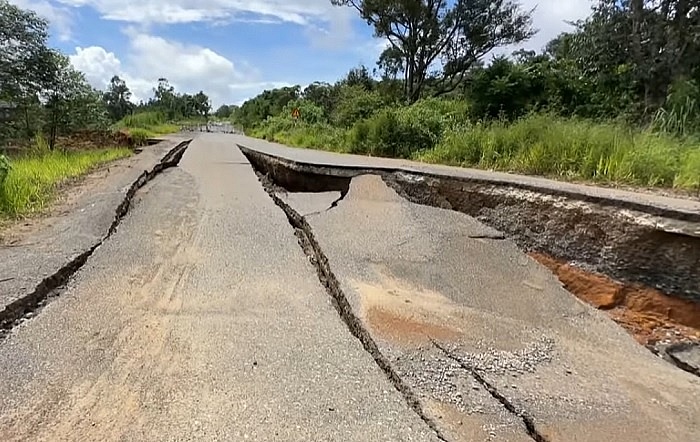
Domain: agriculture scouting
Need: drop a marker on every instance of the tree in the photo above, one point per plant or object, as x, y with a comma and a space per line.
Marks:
165, 98
117, 99
267, 104
71, 103
322, 95
201, 105
358, 77
25, 66
224, 111
442, 34
24, 57
355, 103
634, 50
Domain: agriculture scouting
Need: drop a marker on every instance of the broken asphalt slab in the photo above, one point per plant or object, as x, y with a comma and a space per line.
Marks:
635, 238
41, 261
485, 339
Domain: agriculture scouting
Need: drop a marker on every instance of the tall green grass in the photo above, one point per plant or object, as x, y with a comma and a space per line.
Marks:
32, 181
572, 149
538, 144
150, 123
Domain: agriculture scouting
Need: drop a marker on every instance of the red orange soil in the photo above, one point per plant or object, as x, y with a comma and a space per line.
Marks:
648, 314
402, 329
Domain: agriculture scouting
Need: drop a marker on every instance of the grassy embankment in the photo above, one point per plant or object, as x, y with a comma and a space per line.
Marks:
145, 125
537, 144
32, 180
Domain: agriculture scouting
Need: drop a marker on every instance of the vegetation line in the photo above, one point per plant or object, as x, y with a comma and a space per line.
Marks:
31, 182
596, 104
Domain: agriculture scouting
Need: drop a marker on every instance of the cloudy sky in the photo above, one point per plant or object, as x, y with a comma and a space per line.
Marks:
232, 49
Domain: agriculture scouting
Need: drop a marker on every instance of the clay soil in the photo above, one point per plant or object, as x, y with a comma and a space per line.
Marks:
651, 316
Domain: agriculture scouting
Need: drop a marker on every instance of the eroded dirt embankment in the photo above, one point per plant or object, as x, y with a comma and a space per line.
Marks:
639, 263
650, 315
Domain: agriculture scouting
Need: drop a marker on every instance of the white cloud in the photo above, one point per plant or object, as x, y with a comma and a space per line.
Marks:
189, 68
185, 11
551, 17
97, 64
59, 17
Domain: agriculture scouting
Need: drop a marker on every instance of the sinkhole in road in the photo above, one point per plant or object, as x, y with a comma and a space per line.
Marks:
638, 263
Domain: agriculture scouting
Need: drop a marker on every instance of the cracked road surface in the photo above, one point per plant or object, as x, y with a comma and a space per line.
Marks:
201, 318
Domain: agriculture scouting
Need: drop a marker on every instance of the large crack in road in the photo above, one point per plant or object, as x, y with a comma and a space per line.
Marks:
421, 377
628, 241
654, 252
50, 287
312, 249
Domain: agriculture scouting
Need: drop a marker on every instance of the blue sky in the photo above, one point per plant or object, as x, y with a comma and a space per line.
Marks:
231, 49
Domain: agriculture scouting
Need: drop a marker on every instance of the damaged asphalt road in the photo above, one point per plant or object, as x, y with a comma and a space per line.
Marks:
19, 302
485, 338
230, 306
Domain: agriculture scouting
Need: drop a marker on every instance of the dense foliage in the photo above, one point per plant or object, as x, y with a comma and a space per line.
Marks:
594, 104
41, 94
39, 89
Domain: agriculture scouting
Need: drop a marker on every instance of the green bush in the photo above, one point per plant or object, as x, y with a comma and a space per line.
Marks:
355, 103
309, 113
403, 131
139, 136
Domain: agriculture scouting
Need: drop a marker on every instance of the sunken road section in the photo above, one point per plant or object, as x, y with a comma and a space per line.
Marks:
629, 242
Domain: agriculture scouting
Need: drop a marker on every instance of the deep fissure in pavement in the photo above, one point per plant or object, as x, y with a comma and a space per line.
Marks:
30, 304
629, 242
313, 251
625, 240
527, 420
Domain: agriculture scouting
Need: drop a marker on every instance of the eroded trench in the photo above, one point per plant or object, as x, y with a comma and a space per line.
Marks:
638, 263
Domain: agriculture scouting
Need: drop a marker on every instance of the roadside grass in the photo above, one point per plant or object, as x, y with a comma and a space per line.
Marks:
537, 144
146, 125
572, 149
32, 181
321, 137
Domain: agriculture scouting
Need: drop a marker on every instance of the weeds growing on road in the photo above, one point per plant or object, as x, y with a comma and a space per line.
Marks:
32, 181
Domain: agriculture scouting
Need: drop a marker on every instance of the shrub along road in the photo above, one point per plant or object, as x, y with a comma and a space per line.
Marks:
201, 318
